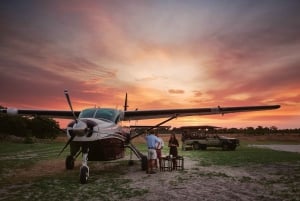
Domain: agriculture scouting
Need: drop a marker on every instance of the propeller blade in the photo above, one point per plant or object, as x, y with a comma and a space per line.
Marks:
70, 105
69, 141
75, 119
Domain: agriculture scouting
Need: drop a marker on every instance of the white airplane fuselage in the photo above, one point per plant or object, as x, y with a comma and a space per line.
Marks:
102, 130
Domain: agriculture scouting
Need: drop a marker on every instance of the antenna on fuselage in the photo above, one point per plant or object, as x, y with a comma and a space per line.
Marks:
125, 104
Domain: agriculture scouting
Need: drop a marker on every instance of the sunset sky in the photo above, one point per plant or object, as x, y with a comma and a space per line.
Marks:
164, 54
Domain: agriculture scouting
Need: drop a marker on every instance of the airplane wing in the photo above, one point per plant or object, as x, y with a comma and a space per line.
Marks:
65, 114
144, 114
153, 114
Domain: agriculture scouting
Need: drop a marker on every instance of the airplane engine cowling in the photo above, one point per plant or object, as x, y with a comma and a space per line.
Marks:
78, 132
12, 111
82, 128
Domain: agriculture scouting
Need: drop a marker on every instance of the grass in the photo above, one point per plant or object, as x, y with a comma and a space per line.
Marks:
104, 184
243, 156
109, 183
15, 156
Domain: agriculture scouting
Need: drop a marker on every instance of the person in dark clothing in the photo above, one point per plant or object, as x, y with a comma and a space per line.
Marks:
173, 144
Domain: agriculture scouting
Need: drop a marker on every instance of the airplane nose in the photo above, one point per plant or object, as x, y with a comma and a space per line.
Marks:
78, 129
81, 128
80, 125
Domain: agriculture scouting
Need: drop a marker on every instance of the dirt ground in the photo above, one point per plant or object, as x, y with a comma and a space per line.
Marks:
260, 182
196, 182
263, 182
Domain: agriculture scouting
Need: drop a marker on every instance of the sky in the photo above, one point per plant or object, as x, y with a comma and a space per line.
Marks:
164, 54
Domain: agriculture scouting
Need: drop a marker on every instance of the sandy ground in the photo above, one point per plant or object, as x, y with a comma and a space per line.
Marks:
218, 183
196, 182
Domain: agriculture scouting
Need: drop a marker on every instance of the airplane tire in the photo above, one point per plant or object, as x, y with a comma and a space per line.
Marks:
130, 162
144, 163
69, 162
83, 175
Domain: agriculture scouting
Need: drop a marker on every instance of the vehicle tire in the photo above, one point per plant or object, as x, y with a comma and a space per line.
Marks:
232, 147
196, 146
225, 146
83, 174
70, 162
203, 146
144, 163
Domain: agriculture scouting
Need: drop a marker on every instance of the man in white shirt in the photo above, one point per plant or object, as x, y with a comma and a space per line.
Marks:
152, 142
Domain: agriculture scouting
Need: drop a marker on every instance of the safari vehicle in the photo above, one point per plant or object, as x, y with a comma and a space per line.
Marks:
201, 137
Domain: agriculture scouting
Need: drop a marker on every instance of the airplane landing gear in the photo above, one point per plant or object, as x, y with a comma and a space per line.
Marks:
84, 169
84, 174
144, 163
130, 163
70, 162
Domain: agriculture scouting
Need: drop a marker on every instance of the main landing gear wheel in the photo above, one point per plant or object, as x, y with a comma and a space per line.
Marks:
69, 162
84, 174
130, 163
144, 161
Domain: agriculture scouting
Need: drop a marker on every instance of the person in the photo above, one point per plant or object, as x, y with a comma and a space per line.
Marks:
173, 144
152, 141
159, 147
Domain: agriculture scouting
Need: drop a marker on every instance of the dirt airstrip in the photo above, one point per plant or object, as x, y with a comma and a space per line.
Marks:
196, 182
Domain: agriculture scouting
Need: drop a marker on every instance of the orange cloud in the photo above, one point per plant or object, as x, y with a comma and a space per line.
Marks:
176, 91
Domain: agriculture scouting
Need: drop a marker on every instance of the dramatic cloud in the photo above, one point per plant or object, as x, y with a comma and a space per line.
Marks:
169, 54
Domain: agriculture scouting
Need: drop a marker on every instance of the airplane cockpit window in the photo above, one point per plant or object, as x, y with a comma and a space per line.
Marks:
108, 114
88, 113
102, 113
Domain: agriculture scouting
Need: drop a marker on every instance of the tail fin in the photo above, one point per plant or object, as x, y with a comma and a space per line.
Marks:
125, 104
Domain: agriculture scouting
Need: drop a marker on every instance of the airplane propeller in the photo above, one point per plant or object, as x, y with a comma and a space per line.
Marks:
75, 119
72, 134
70, 105
66, 145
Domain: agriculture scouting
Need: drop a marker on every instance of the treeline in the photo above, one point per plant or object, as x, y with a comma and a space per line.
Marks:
259, 130
39, 127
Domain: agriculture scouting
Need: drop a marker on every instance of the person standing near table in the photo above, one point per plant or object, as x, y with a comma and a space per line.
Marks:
173, 144
152, 142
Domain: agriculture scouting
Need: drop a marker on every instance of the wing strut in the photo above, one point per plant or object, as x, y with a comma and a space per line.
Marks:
157, 125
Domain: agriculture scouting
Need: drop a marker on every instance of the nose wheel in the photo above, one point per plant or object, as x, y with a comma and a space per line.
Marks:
84, 174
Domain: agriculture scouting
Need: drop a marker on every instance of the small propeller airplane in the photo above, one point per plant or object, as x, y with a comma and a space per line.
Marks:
99, 136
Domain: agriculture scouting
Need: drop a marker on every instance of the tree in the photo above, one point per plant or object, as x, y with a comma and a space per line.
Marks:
40, 127
44, 128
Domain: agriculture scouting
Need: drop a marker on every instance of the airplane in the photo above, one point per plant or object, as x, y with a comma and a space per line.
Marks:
97, 132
